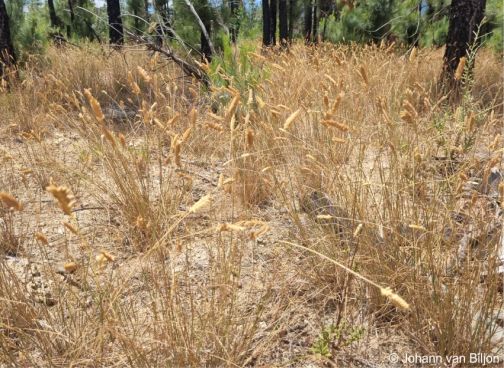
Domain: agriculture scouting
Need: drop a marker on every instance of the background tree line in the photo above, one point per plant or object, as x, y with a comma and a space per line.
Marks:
27, 26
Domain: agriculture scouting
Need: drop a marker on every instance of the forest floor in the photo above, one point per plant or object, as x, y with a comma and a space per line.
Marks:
146, 221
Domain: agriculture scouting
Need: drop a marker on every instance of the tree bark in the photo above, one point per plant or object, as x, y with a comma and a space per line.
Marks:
53, 17
206, 46
116, 36
282, 19
314, 32
273, 18
465, 18
292, 5
266, 23
235, 21
205, 24
7, 55
308, 22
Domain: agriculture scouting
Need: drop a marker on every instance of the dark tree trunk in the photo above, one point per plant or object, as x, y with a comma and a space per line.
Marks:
273, 18
465, 18
136, 22
266, 23
292, 5
308, 25
235, 20
206, 50
7, 56
53, 17
314, 32
115, 23
324, 29
282, 20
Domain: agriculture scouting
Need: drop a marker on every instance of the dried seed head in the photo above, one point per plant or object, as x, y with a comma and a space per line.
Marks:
10, 202
145, 76
71, 228
363, 75
250, 137
64, 197
291, 119
394, 298
95, 106
335, 124
122, 139
201, 204
193, 116
337, 102
40, 237
70, 267
214, 126
470, 122
413, 54
459, 72
232, 109
358, 230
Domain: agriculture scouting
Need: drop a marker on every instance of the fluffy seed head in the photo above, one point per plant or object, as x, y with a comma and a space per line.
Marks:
291, 119
459, 72
10, 202
95, 106
201, 204
64, 197
394, 298
40, 237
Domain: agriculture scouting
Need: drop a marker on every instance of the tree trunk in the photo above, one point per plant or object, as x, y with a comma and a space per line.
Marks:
266, 23
7, 56
292, 5
282, 19
465, 18
206, 48
235, 21
53, 17
164, 28
273, 18
314, 32
204, 18
116, 36
308, 22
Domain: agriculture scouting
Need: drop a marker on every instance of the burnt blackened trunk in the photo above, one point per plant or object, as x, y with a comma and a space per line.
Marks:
465, 18
282, 20
292, 6
115, 23
314, 32
273, 18
235, 19
308, 25
206, 50
7, 56
266, 23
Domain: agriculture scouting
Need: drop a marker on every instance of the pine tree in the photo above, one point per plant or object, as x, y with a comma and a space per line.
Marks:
115, 23
465, 18
7, 55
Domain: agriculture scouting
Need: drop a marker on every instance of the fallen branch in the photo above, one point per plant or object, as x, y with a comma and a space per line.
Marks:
188, 68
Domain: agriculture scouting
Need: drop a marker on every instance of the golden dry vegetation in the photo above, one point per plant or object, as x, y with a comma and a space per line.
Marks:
321, 207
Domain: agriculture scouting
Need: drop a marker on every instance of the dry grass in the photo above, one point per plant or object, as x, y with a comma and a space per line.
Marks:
181, 237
